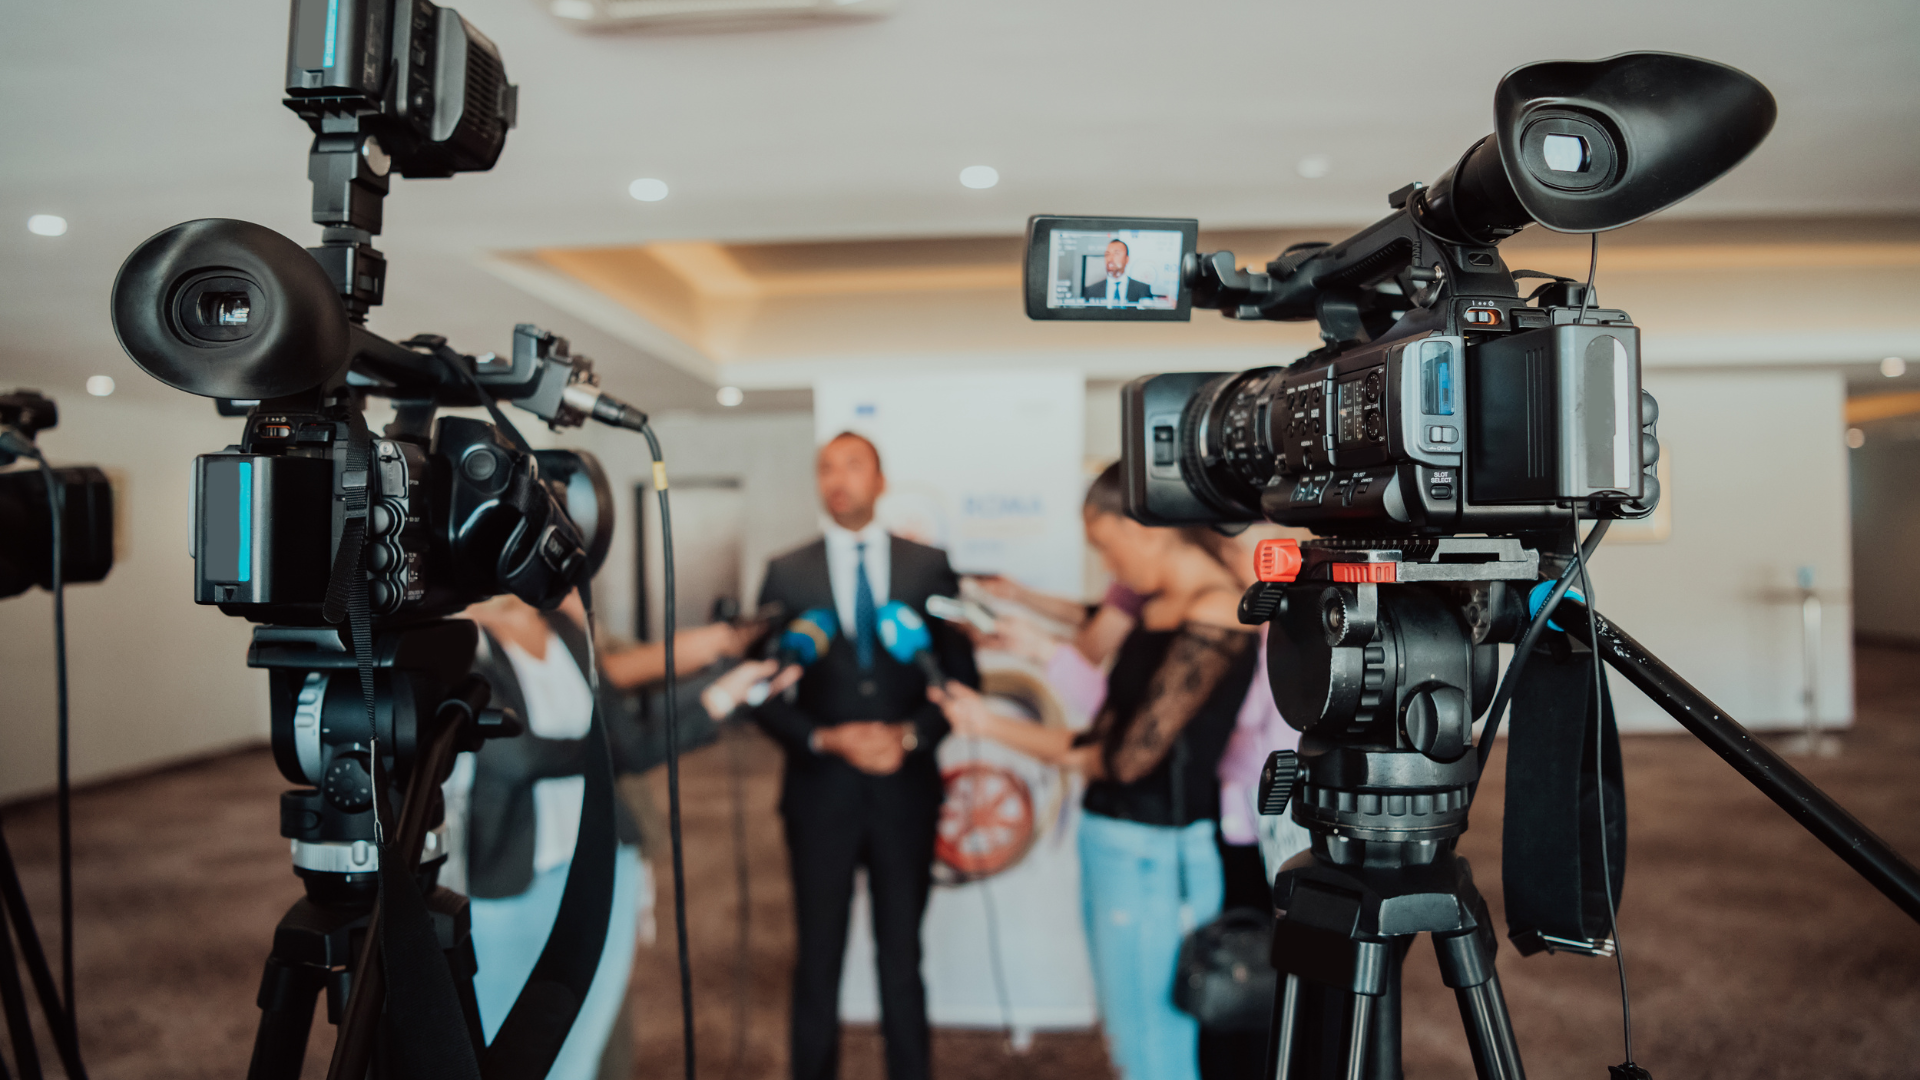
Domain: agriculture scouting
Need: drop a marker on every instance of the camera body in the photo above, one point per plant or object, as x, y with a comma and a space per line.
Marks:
1431, 434
449, 522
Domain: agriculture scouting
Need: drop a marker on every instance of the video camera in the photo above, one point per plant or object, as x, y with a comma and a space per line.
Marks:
353, 547
1443, 444
1443, 401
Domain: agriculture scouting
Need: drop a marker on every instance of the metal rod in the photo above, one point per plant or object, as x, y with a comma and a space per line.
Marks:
1816, 812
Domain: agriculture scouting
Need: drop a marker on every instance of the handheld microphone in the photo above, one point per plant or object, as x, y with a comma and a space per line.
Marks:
804, 641
904, 634
807, 638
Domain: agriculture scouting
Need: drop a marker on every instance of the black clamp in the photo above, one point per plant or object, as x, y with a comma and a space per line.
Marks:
1277, 778
1261, 602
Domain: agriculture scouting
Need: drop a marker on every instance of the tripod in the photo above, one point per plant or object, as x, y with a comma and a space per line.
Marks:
1346, 930
323, 734
1383, 663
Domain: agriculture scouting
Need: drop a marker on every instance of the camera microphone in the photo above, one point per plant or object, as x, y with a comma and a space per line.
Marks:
905, 635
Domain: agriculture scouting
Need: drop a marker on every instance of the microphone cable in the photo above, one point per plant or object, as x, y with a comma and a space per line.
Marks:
1628, 1069
673, 742
67, 1025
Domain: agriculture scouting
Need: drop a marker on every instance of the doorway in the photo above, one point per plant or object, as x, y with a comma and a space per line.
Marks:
709, 529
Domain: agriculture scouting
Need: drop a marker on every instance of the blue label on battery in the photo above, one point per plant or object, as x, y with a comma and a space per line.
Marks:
243, 568
333, 35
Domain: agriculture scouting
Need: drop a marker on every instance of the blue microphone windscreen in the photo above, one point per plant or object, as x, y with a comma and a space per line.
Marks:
903, 631
809, 636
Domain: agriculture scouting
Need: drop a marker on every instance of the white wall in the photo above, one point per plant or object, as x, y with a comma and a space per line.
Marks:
154, 677
1759, 488
771, 453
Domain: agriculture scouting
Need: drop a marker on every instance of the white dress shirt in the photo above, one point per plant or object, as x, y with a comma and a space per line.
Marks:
842, 558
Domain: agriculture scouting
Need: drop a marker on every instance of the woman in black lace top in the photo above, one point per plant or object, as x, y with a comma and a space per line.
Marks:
1149, 870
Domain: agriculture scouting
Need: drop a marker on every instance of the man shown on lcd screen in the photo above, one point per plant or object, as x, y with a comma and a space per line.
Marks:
1117, 287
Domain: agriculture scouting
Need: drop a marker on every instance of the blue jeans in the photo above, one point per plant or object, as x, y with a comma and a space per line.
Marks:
1130, 892
508, 934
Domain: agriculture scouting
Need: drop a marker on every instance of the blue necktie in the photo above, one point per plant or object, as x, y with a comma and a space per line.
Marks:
865, 616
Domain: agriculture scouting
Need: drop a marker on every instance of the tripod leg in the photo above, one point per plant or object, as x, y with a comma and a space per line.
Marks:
14, 996
1357, 1041
1286, 1009
1383, 1037
1466, 965
287, 995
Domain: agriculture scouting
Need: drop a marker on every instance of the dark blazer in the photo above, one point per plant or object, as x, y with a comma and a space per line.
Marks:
835, 690
500, 809
1136, 290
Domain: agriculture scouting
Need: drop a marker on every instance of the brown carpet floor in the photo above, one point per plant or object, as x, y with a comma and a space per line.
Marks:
1753, 952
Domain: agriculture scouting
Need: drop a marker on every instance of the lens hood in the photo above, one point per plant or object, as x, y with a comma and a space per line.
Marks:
230, 309
1594, 145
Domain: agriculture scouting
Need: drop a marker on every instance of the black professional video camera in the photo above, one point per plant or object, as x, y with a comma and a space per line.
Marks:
1444, 443
353, 547
85, 498
1443, 401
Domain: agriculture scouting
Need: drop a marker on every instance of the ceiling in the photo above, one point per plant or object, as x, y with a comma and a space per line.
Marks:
128, 117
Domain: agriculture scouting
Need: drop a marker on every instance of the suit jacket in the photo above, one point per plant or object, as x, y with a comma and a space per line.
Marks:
835, 689
1136, 290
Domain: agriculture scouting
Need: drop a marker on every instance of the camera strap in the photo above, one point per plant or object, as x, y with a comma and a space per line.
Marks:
536, 1027
347, 584
1551, 858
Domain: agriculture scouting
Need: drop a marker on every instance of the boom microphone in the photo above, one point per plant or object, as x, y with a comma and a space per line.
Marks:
904, 633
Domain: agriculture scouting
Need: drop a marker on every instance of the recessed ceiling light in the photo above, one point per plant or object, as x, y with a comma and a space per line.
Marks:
647, 189
729, 396
1314, 166
979, 177
100, 385
47, 225
1856, 438
1893, 367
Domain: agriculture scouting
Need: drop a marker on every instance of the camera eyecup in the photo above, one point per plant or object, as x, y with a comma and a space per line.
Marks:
230, 309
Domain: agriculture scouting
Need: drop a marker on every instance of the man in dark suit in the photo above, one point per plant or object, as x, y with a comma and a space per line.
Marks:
861, 784
1117, 287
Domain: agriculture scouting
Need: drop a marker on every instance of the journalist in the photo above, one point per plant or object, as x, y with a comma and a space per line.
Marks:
861, 787
1149, 865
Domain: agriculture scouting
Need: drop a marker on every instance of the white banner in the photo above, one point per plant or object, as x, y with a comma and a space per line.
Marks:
988, 466
983, 464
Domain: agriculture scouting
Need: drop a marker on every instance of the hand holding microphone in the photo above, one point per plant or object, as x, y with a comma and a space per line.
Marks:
904, 634
804, 641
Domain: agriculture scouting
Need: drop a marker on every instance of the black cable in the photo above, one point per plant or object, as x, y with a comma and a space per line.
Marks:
995, 961
63, 797
1511, 680
673, 751
1593, 267
743, 892
1600, 801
